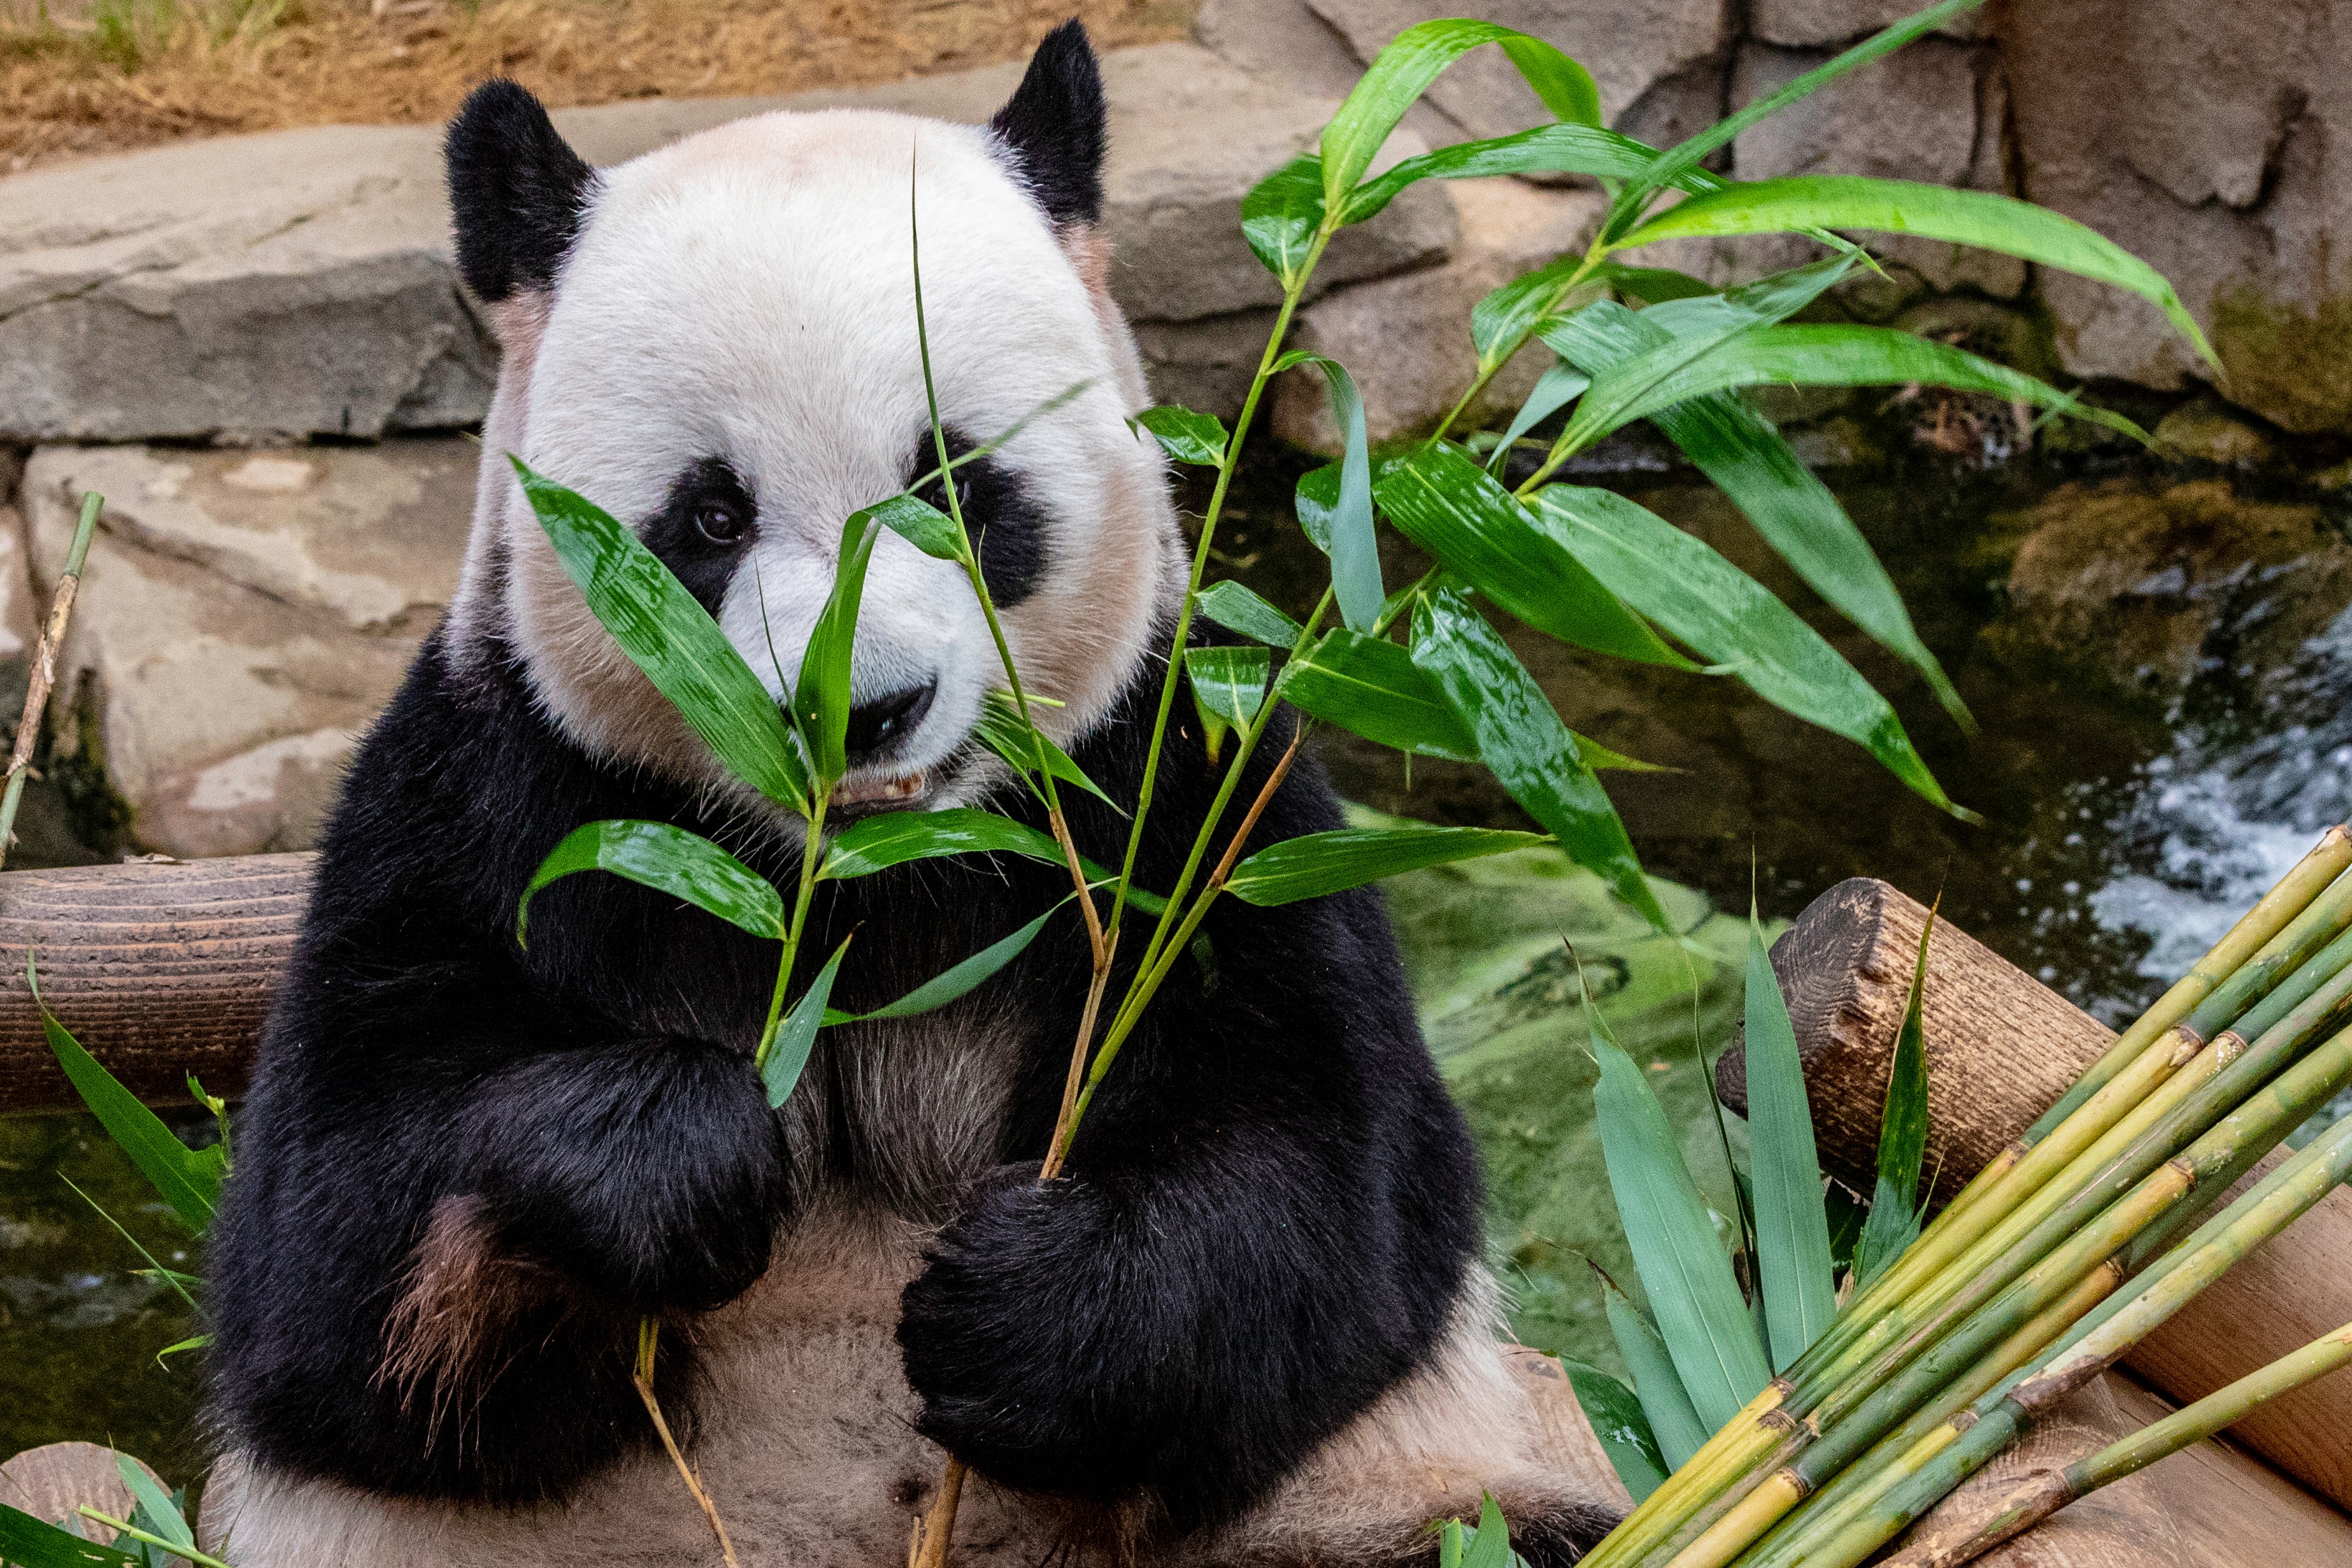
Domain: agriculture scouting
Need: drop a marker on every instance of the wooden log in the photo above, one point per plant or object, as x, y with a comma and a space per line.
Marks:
160, 969
2000, 1047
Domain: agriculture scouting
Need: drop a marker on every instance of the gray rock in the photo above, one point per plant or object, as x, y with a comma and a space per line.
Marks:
1407, 339
1631, 50
1205, 364
1812, 23
300, 282
2182, 129
243, 617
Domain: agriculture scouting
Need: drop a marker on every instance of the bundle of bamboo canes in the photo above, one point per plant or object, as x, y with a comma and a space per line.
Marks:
2050, 1265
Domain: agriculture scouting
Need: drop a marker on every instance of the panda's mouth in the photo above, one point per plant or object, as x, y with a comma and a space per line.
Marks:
882, 789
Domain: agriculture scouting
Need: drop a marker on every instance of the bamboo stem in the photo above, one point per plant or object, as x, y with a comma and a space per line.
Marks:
648, 1335
188, 1552
44, 668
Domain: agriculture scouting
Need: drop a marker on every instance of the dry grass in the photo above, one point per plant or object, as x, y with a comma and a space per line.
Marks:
85, 75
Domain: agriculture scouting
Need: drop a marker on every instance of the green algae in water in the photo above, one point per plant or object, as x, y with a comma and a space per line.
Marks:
79, 1329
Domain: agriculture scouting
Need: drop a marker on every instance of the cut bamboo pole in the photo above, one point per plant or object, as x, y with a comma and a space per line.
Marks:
2044, 1492
44, 668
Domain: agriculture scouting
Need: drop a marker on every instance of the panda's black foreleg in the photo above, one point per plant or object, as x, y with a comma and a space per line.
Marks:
650, 1170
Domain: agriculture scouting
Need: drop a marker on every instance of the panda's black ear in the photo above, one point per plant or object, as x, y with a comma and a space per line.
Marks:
1054, 124
516, 189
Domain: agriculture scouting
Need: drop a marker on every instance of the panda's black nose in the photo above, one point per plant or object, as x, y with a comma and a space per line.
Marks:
876, 727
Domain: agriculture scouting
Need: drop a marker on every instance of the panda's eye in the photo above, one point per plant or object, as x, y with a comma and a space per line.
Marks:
718, 521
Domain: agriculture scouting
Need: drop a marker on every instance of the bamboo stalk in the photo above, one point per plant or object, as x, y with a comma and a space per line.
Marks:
1924, 1435
2327, 860
2046, 1491
1988, 1425
44, 668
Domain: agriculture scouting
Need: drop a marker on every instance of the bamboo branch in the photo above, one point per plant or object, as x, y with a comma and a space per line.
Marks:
648, 1336
44, 668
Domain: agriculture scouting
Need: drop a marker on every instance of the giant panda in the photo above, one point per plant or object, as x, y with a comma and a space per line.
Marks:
1249, 1325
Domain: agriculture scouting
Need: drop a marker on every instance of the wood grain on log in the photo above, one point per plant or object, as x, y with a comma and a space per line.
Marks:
159, 969
2000, 1047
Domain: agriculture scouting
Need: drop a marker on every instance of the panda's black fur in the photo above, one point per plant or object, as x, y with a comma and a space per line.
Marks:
1272, 1198
468, 1169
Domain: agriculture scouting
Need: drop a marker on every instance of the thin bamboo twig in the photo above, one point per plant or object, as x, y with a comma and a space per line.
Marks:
188, 1552
2046, 1491
44, 668
643, 1375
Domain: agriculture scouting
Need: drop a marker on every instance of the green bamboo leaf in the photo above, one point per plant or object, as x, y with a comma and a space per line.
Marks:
1237, 609
1402, 72
1501, 320
1979, 218
181, 1347
1653, 285
919, 523
1689, 153
1667, 1406
1281, 214
1894, 1222
1373, 687
1490, 1545
1229, 682
188, 1179
28, 1542
1617, 1419
1187, 436
1444, 501
1694, 329
1523, 742
1859, 356
1344, 530
1680, 582
163, 1516
666, 858
821, 701
944, 988
1793, 1225
183, 1286
1563, 148
788, 1054
672, 638
1318, 863
1552, 391
894, 838
1738, 449
1003, 730
1701, 1314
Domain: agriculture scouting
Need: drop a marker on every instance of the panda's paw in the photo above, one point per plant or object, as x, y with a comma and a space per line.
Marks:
1005, 1345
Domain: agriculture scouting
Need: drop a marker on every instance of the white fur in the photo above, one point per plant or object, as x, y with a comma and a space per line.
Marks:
749, 293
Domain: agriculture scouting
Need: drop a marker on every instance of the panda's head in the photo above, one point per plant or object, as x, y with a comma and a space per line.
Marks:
715, 343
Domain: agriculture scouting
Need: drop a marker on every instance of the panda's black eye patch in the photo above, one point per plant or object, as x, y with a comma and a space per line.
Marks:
704, 524
1006, 525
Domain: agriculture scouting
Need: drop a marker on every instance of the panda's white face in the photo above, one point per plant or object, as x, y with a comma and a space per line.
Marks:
729, 361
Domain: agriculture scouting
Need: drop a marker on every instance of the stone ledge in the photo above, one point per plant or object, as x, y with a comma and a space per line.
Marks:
301, 282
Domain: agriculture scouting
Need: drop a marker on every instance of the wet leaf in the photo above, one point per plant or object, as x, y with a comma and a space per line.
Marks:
821, 699
1675, 1425
1444, 501
189, 1180
1344, 530
1522, 741
1314, 864
944, 988
1002, 729
788, 1054
1617, 1419
672, 638
919, 523
1237, 609
1187, 436
666, 858
1894, 1222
